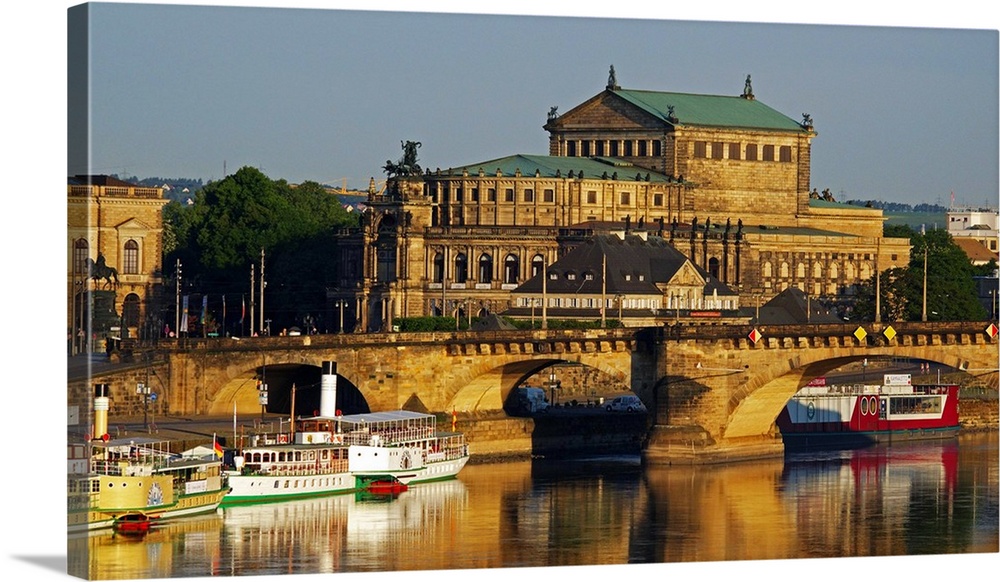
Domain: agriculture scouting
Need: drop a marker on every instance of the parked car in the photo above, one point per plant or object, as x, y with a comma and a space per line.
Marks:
628, 403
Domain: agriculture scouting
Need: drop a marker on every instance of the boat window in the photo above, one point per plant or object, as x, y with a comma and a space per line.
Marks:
915, 405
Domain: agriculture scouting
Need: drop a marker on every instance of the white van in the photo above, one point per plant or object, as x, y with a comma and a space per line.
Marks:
627, 403
531, 400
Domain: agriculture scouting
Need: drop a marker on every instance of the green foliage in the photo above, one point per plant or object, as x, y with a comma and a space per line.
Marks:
951, 292
564, 323
430, 323
221, 235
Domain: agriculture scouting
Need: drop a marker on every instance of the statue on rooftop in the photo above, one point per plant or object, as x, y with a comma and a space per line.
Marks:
612, 80
407, 165
747, 89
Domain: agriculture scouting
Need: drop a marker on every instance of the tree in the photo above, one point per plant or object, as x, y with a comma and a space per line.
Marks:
222, 234
951, 292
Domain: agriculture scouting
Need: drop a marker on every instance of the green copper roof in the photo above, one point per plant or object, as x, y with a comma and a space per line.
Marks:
560, 167
710, 110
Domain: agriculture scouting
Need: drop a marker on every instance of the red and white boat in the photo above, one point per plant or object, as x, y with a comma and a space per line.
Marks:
859, 415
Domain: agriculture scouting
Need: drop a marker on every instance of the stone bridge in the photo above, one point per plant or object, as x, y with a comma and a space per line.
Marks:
714, 391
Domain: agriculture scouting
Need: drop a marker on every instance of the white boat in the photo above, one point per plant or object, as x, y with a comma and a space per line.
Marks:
332, 453
110, 478
131, 476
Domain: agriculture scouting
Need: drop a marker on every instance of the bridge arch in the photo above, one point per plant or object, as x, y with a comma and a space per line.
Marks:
754, 408
489, 385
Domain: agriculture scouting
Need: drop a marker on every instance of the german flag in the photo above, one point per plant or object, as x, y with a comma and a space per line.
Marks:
217, 447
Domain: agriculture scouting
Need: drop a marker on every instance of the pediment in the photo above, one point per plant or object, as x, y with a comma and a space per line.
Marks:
687, 276
133, 224
605, 110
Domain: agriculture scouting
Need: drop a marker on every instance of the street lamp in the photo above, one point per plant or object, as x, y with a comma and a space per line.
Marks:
340, 303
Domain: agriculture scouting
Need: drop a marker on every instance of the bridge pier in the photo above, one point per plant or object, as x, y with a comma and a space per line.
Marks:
693, 445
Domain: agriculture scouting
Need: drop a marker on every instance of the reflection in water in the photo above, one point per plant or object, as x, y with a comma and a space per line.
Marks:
912, 498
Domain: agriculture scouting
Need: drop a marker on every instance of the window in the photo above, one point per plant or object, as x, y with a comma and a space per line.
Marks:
657, 148
491, 194
588, 276
585, 148
785, 154
548, 195
599, 148
81, 251
628, 147
131, 256
485, 268
511, 266
438, 274
614, 148
751, 152
461, 268
769, 153
700, 149
529, 195
458, 194
713, 267
570, 276
592, 197
625, 198
474, 192
508, 195
536, 265
717, 150
657, 199
734, 151
571, 149
643, 148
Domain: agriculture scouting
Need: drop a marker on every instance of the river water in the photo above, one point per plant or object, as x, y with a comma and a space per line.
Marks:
900, 500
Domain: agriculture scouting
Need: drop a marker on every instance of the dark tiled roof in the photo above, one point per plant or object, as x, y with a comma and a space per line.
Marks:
790, 306
634, 266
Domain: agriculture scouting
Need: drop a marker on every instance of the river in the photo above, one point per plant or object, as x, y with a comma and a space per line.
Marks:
900, 500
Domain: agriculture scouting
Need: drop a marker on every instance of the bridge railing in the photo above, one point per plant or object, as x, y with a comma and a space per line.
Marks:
872, 330
668, 332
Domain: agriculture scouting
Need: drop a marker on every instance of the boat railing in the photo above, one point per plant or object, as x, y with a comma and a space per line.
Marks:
295, 469
388, 436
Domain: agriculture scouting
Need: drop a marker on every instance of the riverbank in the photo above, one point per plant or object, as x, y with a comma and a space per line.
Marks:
496, 437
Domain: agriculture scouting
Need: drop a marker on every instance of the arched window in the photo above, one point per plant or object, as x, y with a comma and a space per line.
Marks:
766, 269
817, 270
461, 268
130, 310
81, 250
783, 270
485, 268
438, 274
511, 267
537, 262
834, 271
800, 270
130, 266
713, 267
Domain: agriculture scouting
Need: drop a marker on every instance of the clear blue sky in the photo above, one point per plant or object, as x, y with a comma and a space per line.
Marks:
903, 114
906, 115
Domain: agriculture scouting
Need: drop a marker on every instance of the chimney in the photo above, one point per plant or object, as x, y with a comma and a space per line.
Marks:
328, 390
101, 405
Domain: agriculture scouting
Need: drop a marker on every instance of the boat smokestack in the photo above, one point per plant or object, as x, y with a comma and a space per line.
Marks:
101, 405
328, 390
